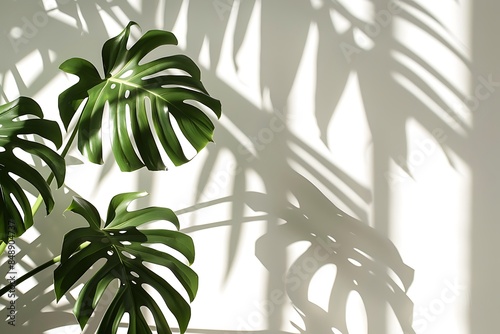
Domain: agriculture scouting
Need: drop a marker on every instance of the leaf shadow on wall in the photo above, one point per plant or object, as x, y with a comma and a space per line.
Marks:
396, 85
316, 219
362, 257
389, 104
30, 29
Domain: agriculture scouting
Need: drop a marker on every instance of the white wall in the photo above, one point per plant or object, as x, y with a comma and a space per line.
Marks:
350, 185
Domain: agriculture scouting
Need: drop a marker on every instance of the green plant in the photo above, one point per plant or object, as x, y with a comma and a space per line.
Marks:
140, 98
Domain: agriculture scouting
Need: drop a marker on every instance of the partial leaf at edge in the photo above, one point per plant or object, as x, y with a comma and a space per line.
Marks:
19, 118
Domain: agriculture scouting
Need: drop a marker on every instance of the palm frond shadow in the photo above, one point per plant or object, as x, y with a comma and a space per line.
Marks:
211, 19
81, 21
381, 71
35, 39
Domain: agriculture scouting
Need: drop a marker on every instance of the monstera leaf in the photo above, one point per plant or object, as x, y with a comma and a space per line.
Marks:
15, 210
125, 249
144, 100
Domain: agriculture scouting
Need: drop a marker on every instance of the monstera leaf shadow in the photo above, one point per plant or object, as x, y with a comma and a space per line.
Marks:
283, 38
366, 262
363, 259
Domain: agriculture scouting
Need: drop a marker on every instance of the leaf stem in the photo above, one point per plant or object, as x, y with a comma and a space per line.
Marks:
70, 140
29, 274
36, 270
49, 180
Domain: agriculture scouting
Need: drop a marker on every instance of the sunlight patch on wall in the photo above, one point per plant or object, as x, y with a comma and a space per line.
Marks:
30, 67
361, 9
352, 200
27, 260
49, 4
122, 18
53, 10
112, 26
30, 235
435, 27
10, 90
241, 302
301, 99
204, 56
180, 26
340, 23
430, 53
431, 230
220, 182
457, 117
393, 323
247, 59
320, 286
242, 73
254, 181
356, 314
27, 285
45, 95
349, 125
363, 40
136, 4
456, 20
52, 55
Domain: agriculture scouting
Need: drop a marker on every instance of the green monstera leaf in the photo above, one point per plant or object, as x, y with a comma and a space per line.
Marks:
126, 249
20, 118
143, 99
